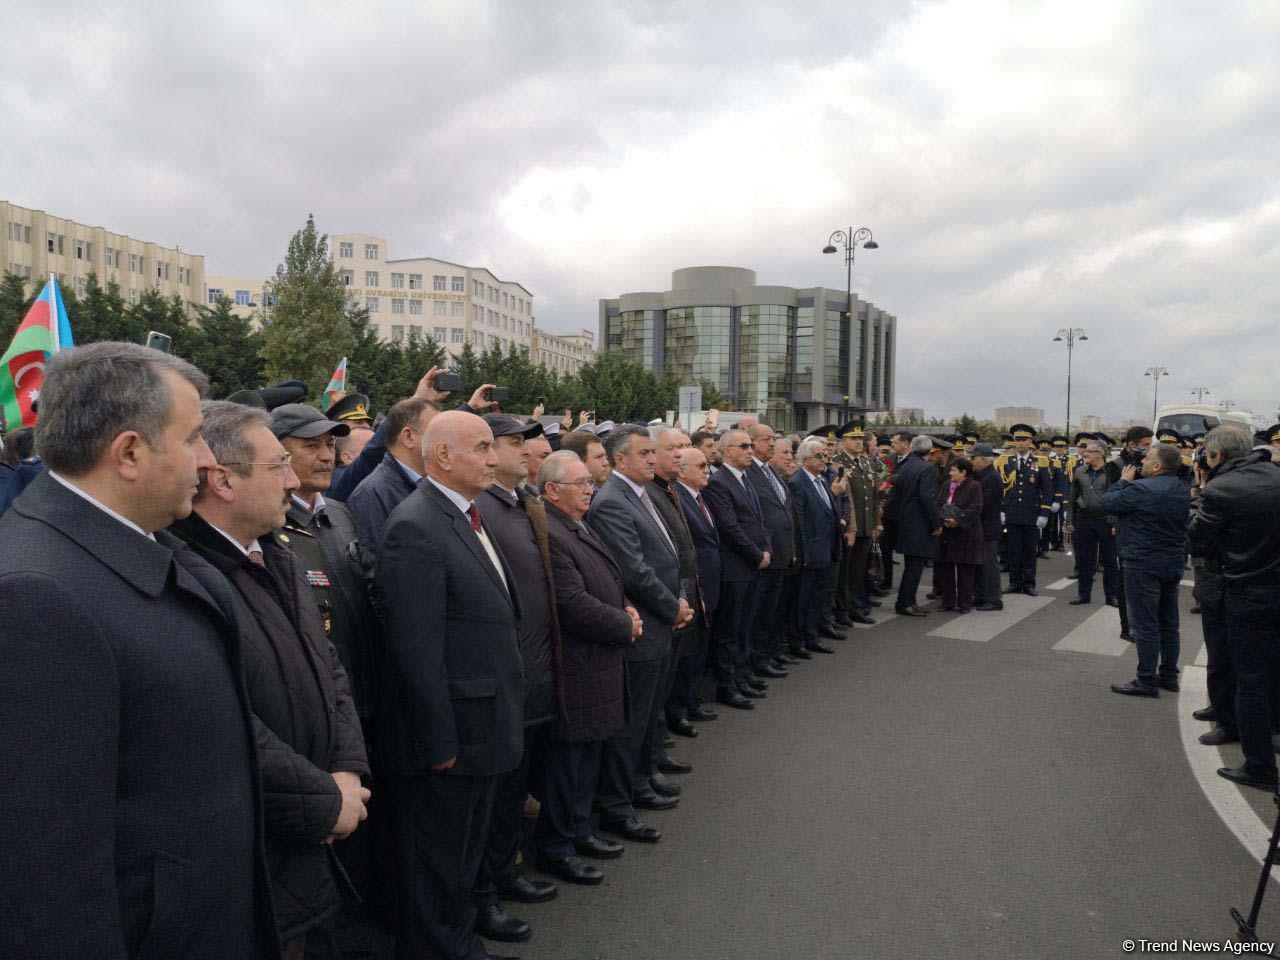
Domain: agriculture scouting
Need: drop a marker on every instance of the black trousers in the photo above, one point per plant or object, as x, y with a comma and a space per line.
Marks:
765, 640
909, 585
622, 753
1220, 676
570, 773
853, 574
731, 632
1095, 539
652, 745
506, 827
1024, 541
784, 618
812, 587
441, 822
688, 679
888, 540
986, 586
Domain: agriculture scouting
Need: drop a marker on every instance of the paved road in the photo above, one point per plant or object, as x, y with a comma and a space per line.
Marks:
945, 787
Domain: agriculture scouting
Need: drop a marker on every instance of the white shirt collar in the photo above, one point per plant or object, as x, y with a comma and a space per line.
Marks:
758, 462
692, 492
308, 507
739, 474
457, 499
413, 474
638, 488
243, 549
100, 505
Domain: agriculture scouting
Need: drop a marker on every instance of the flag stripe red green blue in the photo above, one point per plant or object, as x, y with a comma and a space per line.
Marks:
43, 332
337, 383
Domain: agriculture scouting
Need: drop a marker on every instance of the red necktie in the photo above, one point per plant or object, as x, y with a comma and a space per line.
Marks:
255, 557
706, 513
474, 514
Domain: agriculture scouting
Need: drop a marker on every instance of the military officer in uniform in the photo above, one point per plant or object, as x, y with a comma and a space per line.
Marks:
970, 439
1026, 507
324, 538
353, 410
857, 509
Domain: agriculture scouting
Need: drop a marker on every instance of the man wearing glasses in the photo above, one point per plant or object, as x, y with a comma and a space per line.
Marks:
310, 744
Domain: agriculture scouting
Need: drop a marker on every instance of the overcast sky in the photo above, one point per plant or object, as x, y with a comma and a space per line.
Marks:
1112, 166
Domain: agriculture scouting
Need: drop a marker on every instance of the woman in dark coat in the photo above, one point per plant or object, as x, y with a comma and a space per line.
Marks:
962, 538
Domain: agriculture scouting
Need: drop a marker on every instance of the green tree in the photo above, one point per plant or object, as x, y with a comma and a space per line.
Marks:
712, 398
467, 366
228, 350
104, 315
964, 423
306, 331
13, 306
621, 390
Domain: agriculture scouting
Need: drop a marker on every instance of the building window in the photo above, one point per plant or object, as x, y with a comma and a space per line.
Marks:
477, 288
397, 333
765, 361
397, 281
493, 294
371, 278
133, 297
504, 298
456, 308
182, 275
480, 339
397, 305
415, 281
80, 287
80, 254
415, 331
438, 307
459, 284
371, 304
439, 334
268, 299
214, 295
415, 308
371, 251
348, 277
134, 260
243, 299
438, 283
696, 345
457, 335
52, 241
346, 249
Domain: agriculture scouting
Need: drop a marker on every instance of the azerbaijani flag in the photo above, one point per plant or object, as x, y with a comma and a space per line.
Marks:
337, 383
44, 332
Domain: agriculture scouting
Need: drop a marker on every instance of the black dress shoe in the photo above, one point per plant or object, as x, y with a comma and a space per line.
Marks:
872, 602
683, 727
494, 923
573, 869
631, 829
1079, 601
749, 691
877, 592
756, 683
933, 595
734, 699
842, 619
598, 848
1112, 602
1218, 736
654, 801
703, 715
912, 611
860, 618
1030, 591
1170, 685
988, 607
668, 742
672, 765
1126, 635
820, 647
784, 660
524, 890
832, 634
1073, 576
1242, 776
769, 670
1135, 689
801, 654
663, 787
1206, 713
1013, 589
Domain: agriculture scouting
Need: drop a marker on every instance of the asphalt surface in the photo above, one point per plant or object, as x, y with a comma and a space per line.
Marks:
921, 795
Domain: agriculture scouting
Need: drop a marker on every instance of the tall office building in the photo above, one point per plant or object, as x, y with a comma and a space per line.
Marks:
1008, 416
34, 244
799, 357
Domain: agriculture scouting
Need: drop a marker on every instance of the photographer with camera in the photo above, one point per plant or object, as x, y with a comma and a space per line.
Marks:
1153, 513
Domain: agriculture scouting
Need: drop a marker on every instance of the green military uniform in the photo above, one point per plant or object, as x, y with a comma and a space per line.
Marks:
857, 510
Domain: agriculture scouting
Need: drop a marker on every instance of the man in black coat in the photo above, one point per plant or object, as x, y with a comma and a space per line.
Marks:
597, 628
693, 472
987, 593
744, 552
623, 515
132, 795
819, 532
310, 743
919, 521
775, 505
451, 719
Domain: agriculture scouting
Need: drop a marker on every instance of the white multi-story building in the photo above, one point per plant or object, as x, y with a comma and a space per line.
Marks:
34, 244
447, 302
1090, 423
563, 353
1008, 416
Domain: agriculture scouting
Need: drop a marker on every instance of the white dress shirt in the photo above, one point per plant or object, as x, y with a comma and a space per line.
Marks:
463, 505
100, 505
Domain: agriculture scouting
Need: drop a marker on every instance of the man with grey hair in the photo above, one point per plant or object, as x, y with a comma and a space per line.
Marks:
1093, 532
128, 760
1153, 513
310, 742
919, 521
1237, 529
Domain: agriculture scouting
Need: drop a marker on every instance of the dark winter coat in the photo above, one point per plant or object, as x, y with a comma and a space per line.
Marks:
1239, 520
373, 500
915, 488
965, 543
595, 630
992, 494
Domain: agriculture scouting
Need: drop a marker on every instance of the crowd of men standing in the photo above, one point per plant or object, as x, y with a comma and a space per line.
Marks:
288, 682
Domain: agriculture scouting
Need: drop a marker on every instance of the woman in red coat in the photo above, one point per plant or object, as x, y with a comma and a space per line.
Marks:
962, 539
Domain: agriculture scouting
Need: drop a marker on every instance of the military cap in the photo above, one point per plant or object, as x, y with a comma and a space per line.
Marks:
1006, 437
1197, 438
1169, 436
828, 432
1081, 437
551, 429
970, 437
1104, 438
941, 443
603, 428
1273, 433
268, 398
505, 425
854, 428
353, 408
1042, 444
304, 421
1022, 431
1058, 438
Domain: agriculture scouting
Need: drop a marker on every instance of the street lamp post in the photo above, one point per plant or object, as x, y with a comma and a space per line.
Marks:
849, 240
1200, 393
1155, 373
1071, 335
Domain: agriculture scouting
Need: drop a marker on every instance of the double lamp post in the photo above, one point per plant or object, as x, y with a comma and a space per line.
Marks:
849, 240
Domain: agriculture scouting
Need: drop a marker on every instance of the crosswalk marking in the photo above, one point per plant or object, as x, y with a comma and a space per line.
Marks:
1060, 584
980, 627
1097, 633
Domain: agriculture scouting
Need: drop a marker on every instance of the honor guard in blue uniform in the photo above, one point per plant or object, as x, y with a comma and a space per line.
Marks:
1002, 552
1061, 464
1026, 507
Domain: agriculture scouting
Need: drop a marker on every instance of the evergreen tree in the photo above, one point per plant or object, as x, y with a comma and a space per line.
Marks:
622, 391
13, 306
307, 330
712, 398
229, 349
103, 315
467, 367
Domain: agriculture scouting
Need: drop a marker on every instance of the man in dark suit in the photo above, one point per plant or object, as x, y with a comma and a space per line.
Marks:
919, 520
692, 472
819, 531
623, 516
127, 751
744, 552
784, 462
452, 714
775, 504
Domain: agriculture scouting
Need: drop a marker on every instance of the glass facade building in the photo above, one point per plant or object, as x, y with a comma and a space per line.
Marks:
796, 357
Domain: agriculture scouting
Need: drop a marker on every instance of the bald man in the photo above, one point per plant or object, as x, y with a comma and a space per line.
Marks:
452, 716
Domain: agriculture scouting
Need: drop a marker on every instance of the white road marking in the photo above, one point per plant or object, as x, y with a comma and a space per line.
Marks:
1060, 584
1098, 633
981, 627
879, 615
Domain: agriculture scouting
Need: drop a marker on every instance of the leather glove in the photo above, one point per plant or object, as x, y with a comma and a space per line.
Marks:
1041, 522
1056, 507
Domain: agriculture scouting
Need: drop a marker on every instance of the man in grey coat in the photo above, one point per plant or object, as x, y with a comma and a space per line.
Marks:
624, 517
